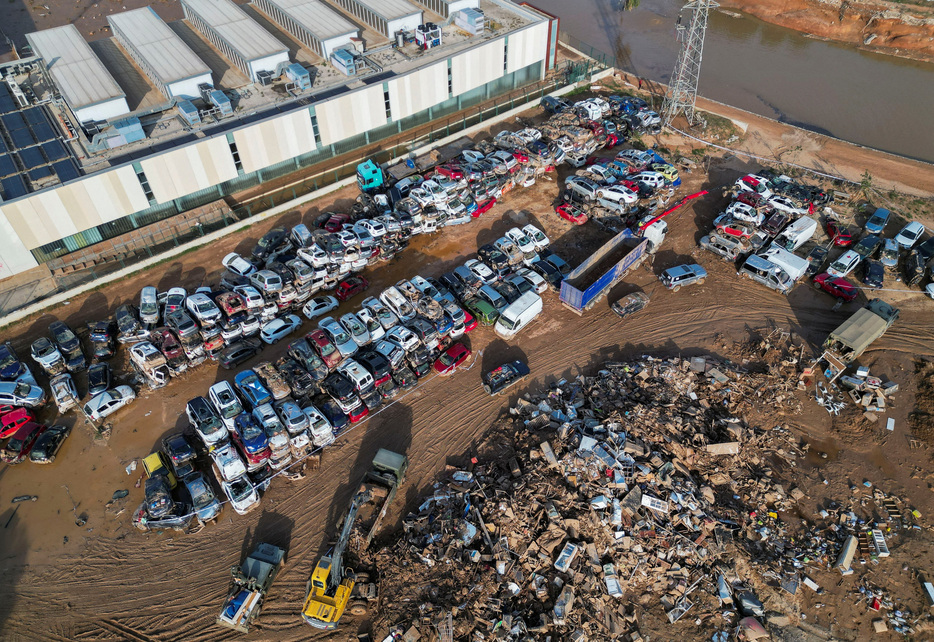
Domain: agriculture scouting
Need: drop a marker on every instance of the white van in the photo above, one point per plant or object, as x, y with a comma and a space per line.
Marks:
793, 265
518, 315
797, 234
361, 379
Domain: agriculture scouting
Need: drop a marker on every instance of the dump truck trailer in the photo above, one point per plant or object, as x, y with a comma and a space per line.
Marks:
333, 585
250, 584
858, 332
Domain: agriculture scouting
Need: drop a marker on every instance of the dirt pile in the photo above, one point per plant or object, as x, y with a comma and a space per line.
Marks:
628, 500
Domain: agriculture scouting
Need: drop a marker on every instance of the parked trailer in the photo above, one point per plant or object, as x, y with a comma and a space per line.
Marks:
591, 280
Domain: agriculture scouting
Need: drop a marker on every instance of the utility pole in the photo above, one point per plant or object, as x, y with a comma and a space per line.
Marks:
682, 89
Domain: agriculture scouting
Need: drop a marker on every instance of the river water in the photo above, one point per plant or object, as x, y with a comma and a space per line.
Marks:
879, 101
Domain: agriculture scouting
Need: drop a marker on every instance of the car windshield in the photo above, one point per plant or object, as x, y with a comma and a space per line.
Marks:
22, 389
232, 407
200, 495
240, 489
6, 357
250, 430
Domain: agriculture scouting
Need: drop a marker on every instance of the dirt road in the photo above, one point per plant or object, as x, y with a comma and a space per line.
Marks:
106, 581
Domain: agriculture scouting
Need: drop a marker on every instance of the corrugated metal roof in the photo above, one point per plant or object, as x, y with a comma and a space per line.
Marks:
166, 54
78, 73
390, 9
238, 29
317, 17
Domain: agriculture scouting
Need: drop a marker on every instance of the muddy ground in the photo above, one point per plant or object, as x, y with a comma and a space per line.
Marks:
107, 581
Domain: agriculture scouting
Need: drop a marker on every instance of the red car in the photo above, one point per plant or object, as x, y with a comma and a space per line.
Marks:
469, 322
450, 359
168, 343
520, 156
358, 413
22, 441
336, 222
836, 286
319, 341
751, 198
11, 421
734, 228
230, 302
483, 208
840, 233
350, 287
451, 171
572, 213
612, 140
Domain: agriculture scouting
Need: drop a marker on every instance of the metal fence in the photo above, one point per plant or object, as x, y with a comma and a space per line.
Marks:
109, 256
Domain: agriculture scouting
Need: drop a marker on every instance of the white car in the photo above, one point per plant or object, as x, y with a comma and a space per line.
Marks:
47, 355
242, 494
375, 228
266, 281
174, 300
844, 264
395, 301
238, 265
356, 328
422, 285
276, 329
226, 402
403, 337
755, 184
740, 211
525, 244
910, 235
373, 326
109, 402
347, 238
538, 237
339, 336
228, 465
203, 309
472, 155
251, 297
618, 194
64, 392
319, 305
507, 159
313, 255
480, 270
539, 284
786, 205
384, 315
655, 180
529, 134
322, 434
394, 353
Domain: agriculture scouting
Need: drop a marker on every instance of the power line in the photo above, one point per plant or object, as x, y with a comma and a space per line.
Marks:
682, 90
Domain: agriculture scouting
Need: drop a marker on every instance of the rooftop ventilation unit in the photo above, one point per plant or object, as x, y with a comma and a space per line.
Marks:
220, 100
428, 35
347, 62
470, 20
188, 112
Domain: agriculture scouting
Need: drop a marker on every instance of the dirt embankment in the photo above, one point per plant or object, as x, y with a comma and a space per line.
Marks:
883, 27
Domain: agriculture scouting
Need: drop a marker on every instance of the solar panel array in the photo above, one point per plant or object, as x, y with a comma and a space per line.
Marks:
30, 149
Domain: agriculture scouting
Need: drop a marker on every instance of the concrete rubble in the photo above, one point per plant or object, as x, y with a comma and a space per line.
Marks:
636, 495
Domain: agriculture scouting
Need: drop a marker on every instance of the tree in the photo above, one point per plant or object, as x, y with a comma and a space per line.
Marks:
629, 5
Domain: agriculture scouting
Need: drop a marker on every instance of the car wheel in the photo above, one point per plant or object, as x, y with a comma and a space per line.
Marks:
701, 281
676, 288
817, 286
600, 194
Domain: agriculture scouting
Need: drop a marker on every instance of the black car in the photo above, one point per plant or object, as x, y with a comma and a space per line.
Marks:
404, 377
180, 454
102, 336
419, 360
868, 246
128, 323
372, 400
302, 352
48, 444
457, 287
548, 272
67, 341
182, 323
925, 249
296, 377
262, 477
272, 243
339, 387
230, 280
333, 413
553, 105
507, 375
914, 268
816, 259
873, 273
11, 368
99, 378
388, 389
283, 270
507, 290
495, 259
238, 352
375, 363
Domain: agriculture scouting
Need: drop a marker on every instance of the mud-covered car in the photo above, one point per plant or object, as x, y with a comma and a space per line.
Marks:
47, 355
296, 377
69, 345
630, 304
102, 335
273, 381
310, 361
64, 392
500, 379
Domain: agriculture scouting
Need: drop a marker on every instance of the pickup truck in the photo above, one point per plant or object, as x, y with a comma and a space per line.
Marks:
250, 582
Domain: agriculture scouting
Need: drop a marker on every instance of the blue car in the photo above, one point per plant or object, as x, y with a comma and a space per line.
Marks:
251, 389
202, 497
878, 221
335, 416
250, 435
11, 368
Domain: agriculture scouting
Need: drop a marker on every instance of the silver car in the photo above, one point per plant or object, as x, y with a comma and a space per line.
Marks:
20, 393
339, 336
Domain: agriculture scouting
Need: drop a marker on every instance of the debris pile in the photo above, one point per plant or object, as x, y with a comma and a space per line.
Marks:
634, 496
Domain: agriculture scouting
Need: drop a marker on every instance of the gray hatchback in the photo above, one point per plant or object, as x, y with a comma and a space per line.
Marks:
680, 275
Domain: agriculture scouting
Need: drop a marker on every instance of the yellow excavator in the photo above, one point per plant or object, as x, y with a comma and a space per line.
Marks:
332, 585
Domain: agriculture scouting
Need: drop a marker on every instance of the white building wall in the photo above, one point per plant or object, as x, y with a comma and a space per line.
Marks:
103, 111
477, 67
351, 114
275, 140
14, 256
457, 5
188, 88
268, 63
527, 47
186, 170
418, 90
407, 23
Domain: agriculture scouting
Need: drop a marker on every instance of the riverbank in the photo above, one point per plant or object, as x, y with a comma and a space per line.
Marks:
889, 28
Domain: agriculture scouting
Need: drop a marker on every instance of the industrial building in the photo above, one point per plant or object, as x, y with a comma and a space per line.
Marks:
161, 177
312, 22
387, 17
447, 8
87, 87
242, 41
170, 64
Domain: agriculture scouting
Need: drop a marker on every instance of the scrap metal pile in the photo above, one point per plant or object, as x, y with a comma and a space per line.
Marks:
625, 500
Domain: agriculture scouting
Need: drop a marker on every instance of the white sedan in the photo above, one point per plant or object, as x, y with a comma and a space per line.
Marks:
538, 237
480, 270
242, 494
319, 305
109, 402
238, 265
228, 465
279, 328
522, 240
